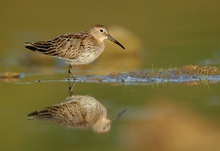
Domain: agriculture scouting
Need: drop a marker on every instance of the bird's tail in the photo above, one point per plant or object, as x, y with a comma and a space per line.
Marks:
30, 46
41, 114
38, 46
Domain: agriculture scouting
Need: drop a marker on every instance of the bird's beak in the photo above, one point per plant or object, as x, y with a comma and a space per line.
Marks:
115, 41
118, 115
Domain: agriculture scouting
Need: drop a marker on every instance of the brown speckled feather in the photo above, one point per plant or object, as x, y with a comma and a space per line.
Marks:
76, 112
68, 46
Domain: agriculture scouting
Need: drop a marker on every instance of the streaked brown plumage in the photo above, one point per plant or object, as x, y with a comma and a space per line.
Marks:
83, 112
76, 48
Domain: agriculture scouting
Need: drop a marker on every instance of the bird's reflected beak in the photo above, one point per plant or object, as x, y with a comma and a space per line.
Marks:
118, 115
115, 41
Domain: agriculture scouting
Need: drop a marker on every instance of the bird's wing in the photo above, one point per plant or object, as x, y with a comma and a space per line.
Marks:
66, 46
69, 114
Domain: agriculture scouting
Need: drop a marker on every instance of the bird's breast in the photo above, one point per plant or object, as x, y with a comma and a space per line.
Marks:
89, 54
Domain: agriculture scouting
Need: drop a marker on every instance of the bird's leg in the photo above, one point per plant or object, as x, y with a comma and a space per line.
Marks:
71, 85
70, 72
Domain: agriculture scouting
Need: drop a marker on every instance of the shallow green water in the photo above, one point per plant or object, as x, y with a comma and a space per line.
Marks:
160, 116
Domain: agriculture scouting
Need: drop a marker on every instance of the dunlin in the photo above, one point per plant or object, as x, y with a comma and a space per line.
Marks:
76, 48
83, 112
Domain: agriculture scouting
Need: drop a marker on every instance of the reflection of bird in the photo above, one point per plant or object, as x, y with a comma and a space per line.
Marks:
83, 112
76, 48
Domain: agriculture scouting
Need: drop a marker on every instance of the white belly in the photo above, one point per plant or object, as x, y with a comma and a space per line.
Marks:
86, 57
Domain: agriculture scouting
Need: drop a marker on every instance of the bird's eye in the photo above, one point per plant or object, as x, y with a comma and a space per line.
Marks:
101, 30
104, 128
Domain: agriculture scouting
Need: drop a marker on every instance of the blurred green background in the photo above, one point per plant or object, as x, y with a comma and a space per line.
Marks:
159, 33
